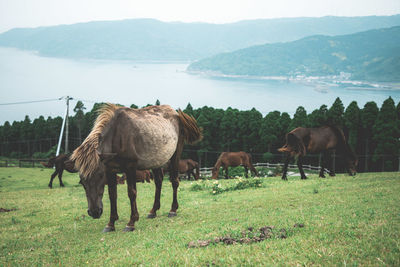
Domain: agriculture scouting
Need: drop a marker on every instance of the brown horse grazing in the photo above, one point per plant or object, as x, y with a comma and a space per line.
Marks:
317, 140
61, 163
188, 166
126, 140
141, 176
233, 159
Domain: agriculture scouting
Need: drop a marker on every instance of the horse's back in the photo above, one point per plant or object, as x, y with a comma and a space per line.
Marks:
148, 135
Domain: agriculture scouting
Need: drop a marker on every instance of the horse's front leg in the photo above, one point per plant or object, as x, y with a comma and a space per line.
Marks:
226, 172
246, 171
112, 194
321, 172
173, 177
285, 167
158, 178
132, 193
300, 166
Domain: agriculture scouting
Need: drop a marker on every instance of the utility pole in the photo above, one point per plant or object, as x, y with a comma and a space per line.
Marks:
67, 124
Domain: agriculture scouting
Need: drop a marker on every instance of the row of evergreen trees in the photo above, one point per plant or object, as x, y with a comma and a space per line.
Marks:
371, 131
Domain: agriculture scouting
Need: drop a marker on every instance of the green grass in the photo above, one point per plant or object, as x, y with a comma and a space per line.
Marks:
348, 221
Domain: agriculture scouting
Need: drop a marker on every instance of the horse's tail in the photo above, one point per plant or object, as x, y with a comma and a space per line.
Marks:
50, 163
342, 142
191, 131
294, 145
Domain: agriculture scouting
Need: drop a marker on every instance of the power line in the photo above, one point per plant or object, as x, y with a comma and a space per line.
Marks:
30, 102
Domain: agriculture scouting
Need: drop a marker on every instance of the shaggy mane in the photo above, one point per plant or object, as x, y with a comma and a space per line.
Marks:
85, 156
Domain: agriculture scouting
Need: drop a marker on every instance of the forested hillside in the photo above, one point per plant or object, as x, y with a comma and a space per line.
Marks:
148, 39
372, 55
371, 130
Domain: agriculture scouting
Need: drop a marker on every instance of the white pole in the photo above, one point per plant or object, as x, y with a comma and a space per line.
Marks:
61, 133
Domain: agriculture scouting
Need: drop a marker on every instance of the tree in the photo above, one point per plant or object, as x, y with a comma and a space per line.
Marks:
133, 106
385, 133
368, 117
335, 113
269, 129
299, 118
352, 122
158, 102
318, 117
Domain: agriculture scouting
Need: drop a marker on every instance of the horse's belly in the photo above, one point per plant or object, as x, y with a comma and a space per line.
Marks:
158, 145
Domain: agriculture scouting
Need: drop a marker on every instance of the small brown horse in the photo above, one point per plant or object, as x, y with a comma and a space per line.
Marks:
126, 140
61, 163
141, 176
188, 166
233, 159
317, 140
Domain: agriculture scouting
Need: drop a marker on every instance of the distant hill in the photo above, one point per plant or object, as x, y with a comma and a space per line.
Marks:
148, 39
372, 55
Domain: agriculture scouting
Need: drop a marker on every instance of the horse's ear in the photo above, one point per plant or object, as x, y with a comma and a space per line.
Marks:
105, 157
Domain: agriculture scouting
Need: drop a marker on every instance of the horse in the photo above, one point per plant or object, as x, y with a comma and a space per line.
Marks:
126, 140
188, 166
141, 176
317, 140
233, 159
61, 163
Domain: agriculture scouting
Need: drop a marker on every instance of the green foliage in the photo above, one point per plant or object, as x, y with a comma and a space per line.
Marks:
370, 55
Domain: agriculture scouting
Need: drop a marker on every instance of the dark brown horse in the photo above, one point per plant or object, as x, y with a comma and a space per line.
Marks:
317, 140
233, 159
126, 140
60, 163
188, 166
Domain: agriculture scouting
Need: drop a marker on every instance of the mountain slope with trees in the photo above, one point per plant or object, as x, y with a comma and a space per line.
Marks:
149, 39
372, 55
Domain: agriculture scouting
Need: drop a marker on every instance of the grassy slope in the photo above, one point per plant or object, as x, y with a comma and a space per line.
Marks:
348, 221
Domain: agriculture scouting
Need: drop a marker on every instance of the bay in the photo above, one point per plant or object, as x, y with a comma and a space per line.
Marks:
26, 76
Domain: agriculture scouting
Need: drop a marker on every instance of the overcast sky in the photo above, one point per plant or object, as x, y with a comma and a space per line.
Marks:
34, 13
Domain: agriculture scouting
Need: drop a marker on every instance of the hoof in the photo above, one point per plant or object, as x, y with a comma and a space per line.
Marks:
129, 229
322, 176
171, 214
151, 216
62, 185
108, 229
284, 178
304, 178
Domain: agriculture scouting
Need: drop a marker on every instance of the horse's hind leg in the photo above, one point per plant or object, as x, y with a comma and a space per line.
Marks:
300, 166
132, 193
173, 176
112, 193
60, 173
52, 178
158, 178
285, 167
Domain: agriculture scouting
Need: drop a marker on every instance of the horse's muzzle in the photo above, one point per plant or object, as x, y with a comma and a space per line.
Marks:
95, 214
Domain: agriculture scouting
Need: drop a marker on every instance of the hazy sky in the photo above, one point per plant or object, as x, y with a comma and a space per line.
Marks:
33, 13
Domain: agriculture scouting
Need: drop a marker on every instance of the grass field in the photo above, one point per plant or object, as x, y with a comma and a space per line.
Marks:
348, 221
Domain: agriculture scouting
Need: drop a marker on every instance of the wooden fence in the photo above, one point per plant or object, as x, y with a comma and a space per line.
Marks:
26, 163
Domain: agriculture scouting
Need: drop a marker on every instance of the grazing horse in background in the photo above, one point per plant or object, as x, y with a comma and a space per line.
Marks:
61, 163
126, 140
317, 140
188, 166
233, 159
141, 176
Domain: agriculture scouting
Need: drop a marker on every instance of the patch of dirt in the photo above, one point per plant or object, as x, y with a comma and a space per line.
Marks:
6, 210
250, 235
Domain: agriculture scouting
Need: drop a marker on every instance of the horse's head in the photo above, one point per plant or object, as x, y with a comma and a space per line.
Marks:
94, 188
214, 172
352, 163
